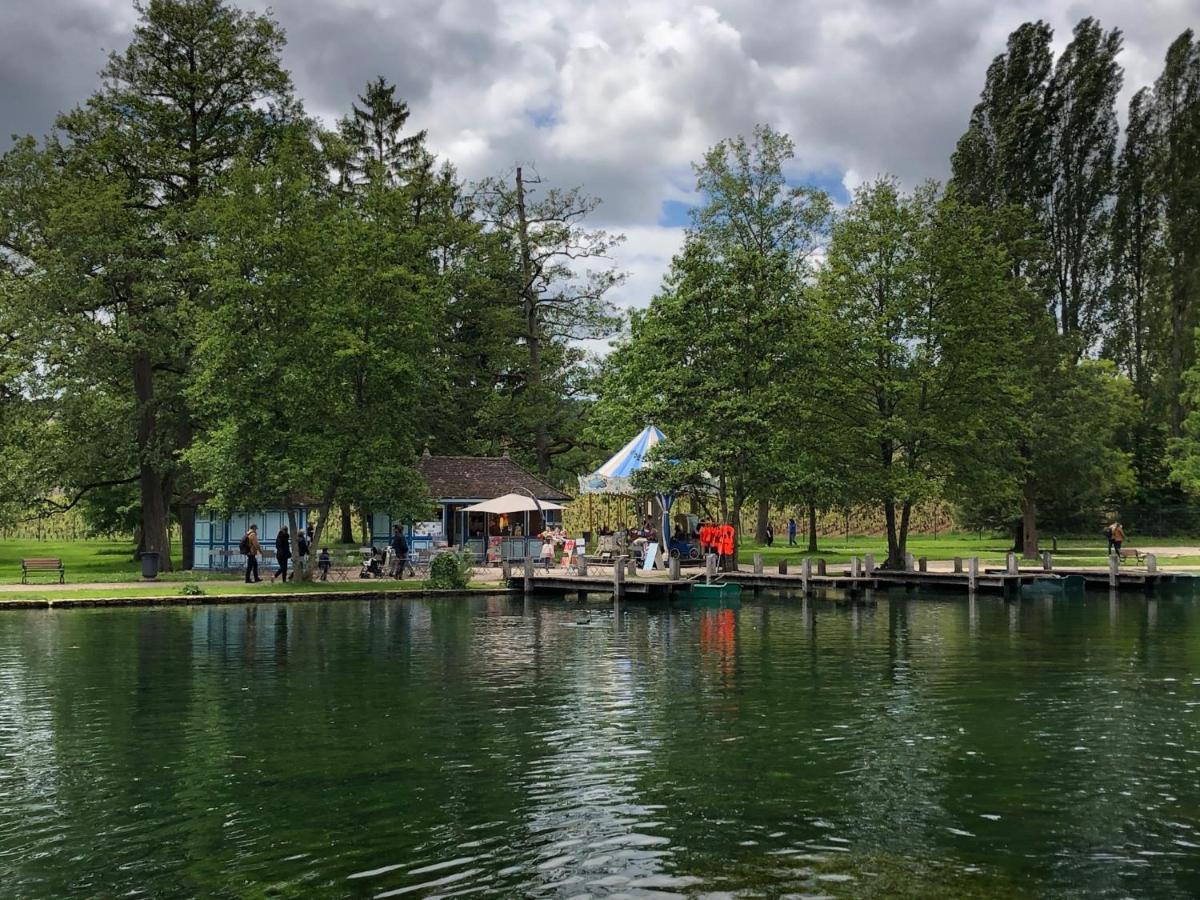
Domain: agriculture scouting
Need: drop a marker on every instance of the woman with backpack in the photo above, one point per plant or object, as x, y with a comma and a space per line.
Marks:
283, 552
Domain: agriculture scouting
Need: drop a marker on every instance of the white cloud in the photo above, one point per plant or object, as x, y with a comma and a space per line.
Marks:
621, 97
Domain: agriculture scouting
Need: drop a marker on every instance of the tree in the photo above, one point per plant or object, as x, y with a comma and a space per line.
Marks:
1177, 123
311, 353
372, 133
560, 302
1082, 118
715, 357
915, 327
108, 240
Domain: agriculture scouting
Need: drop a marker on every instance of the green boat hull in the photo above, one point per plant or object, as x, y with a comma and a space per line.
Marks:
712, 592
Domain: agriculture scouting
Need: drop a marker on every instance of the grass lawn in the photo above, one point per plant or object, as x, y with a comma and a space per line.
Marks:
94, 561
174, 589
991, 550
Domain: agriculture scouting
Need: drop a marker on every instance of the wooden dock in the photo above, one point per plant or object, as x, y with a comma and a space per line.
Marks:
989, 581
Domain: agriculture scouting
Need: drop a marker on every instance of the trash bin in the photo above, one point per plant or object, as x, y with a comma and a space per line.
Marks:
149, 565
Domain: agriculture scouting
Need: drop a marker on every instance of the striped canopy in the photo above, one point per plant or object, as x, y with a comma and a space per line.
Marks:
613, 477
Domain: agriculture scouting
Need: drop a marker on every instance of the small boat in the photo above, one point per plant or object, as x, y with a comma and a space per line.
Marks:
1053, 586
717, 590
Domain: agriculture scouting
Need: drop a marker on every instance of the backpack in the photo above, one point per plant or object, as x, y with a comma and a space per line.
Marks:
244, 546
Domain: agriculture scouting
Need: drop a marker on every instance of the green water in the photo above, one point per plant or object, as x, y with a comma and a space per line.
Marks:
920, 747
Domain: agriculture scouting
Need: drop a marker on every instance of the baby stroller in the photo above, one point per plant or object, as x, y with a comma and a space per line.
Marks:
372, 564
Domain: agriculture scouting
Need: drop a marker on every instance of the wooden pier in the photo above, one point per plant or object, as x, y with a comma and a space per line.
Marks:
1003, 582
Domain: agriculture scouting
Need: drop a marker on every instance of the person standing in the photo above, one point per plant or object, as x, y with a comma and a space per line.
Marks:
1108, 534
770, 534
1117, 537
250, 549
283, 552
303, 549
792, 531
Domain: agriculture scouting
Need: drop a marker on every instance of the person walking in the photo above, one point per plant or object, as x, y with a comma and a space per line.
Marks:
770, 534
1108, 532
792, 531
250, 549
283, 552
400, 550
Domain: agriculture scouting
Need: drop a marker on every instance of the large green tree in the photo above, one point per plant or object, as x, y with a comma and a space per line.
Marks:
107, 238
915, 329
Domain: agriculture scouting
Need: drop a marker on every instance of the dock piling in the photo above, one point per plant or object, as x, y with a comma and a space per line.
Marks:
783, 567
710, 568
958, 565
1047, 561
1010, 564
1114, 569
674, 569
972, 573
855, 572
868, 565
821, 567
528, 573
922, 564
619, 577
805, 573
758, 564
908, 562
1151, 563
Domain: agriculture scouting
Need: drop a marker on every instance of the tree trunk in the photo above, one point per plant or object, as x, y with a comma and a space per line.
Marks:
187, 536
893, 542
533, 337
347, 526
1029, 521
294, 540
155, 527
812, 528
902, 542
760, 526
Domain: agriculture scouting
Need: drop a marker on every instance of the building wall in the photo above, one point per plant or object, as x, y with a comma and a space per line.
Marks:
214, 534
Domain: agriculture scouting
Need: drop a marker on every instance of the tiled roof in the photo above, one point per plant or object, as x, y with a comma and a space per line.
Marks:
481, 478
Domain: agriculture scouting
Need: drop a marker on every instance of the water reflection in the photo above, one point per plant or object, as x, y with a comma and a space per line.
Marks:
896, 745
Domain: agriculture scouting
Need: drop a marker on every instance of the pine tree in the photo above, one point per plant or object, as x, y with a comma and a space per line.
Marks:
373, 131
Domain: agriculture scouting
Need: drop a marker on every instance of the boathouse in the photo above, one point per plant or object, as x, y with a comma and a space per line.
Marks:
452, 482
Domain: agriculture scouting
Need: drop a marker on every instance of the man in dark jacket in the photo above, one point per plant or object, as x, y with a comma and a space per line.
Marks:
400, 550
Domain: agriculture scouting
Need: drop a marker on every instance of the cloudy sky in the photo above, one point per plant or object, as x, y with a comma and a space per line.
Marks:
618, 96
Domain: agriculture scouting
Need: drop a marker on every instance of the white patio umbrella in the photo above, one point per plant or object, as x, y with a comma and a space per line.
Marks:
512, 503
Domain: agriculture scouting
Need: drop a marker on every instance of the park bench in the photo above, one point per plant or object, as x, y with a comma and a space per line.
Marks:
1130, 553
43, 565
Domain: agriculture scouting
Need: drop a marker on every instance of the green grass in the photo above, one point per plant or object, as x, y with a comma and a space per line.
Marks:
991, 550
169, 589
99, 561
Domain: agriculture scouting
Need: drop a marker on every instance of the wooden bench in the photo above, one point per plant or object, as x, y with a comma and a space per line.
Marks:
1130, 553
49, 564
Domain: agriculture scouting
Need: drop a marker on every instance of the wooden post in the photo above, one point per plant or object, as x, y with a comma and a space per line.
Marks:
710, 567
783, 567
972, 573
821, 566
908, 562
673, 574
855, 572
505, 571
1047, 561
631, 567
528, 574
1011, 564
1114, 567
581, 560
1151, 563
958, 565
619, 577
805, 573
758, 564
869, 564
922, 564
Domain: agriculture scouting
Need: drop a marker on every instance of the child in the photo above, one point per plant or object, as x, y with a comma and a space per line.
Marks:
323, 563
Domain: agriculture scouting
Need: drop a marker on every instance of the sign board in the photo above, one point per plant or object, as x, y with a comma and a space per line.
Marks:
493, 550
651, 557
568, 552
426, 529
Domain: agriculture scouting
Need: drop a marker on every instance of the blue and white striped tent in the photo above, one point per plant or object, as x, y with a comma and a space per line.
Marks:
614, 476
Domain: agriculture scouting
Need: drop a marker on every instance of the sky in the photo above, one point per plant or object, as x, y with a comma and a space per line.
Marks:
621, 97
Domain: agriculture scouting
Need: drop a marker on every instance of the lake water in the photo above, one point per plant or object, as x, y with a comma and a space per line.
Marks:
925, 747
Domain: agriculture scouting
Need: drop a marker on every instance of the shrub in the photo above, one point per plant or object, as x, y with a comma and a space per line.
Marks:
450, 571
191, 589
